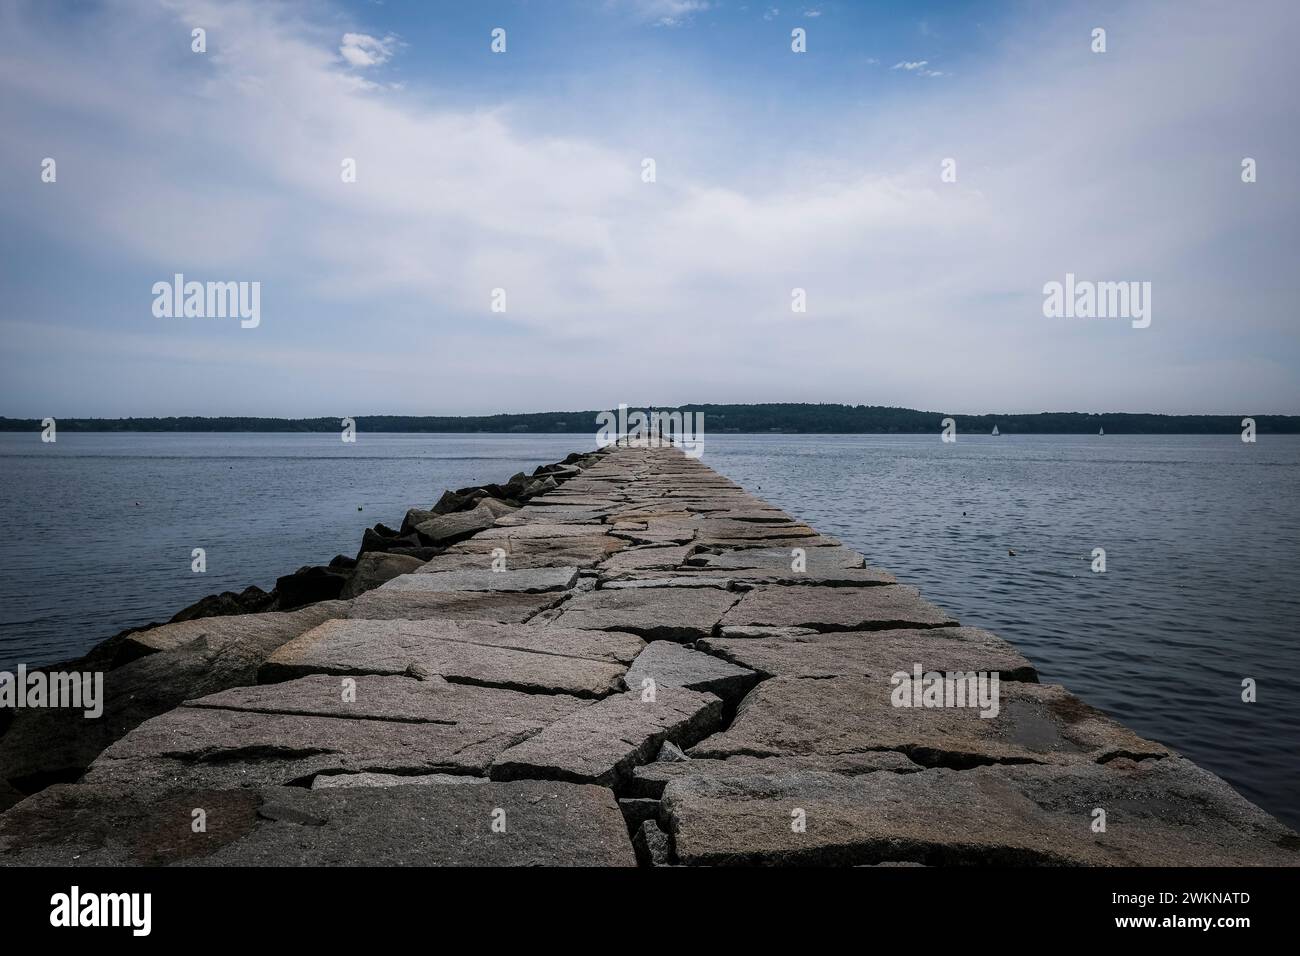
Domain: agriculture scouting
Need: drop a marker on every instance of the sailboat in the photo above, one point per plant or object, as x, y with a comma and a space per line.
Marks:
995, 430
1101, 431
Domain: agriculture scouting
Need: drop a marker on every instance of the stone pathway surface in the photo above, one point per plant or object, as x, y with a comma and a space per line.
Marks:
645, 664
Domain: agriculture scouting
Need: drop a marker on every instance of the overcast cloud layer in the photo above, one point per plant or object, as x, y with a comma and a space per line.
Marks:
375, 294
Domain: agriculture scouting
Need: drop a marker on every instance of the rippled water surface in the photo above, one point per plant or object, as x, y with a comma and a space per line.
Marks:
1201, 534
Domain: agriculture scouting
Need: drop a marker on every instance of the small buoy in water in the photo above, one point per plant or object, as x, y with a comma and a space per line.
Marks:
963, 514
1010, 552
358, 507
137, 504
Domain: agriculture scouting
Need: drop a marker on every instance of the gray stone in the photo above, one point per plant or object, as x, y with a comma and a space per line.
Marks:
1159, 813
637, 810
640, 582
324, 781
187, 659
680, 614
547, 824
653, 846
548, 531
406, 699
527, 580
874, 653
580, 552
507, 607
1038, 723
671, 753
255, 633
735, 632
603, 742
723, 528
374, 568
669, 664
649, 780
459, 524
651, 557
781, 559
208, 747
535, 659
836, 609
499, 508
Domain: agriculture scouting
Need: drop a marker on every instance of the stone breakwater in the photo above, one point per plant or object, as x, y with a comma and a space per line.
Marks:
644, 663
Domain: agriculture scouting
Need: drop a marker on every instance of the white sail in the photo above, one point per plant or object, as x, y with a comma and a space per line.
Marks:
995, 429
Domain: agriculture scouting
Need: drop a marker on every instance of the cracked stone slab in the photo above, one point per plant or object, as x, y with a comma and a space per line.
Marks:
1038, 723
1159, 813
407, 699
209, 747
458, 524
325, 781
187, 659
781, 559
554, 514
649, 780
648, 557
817, 541
267, 630
836, 609
535, 659
874, 653
525, 579
580, 552
547, 531
681, 581
669, 664
723, 528
639, 536
680, 614
750, 632
505, 607
547, 823
601, 743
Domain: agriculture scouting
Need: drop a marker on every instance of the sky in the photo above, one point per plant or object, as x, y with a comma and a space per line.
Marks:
524, 171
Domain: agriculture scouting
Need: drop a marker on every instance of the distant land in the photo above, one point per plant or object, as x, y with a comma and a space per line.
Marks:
718, 419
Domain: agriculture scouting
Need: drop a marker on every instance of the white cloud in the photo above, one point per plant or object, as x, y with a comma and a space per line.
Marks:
362, 51
920, 293
919, 67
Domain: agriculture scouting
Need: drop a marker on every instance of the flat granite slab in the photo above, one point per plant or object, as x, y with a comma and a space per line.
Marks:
267, 630
1158, 813
669, 664
836, 609
679, 614
874, 653
1034, 723
407, 699
519, 657
210, 747
580, 552
538, 823
647, 557
651, 779
601, 743
833, 558
506, 607
529, 579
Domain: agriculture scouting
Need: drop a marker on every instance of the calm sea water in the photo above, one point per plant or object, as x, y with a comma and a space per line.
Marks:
1201, 535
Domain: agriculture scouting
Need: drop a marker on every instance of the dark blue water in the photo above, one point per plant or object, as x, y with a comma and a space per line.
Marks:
1202, 583
1201, 536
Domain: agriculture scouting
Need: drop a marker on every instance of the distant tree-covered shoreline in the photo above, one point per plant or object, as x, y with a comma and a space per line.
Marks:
718, 419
